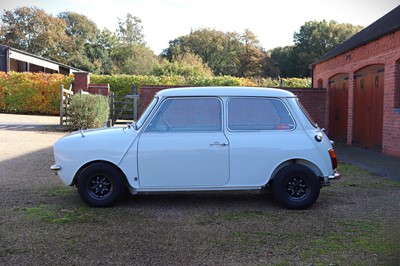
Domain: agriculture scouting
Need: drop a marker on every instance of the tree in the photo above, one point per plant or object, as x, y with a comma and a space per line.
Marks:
219, 50
210, 45
108, 41
186, 65
129, 54
130, 31
283, 60
32, 30
133, 59
252, 56
80, 28
85, 51
315, 39
228, 53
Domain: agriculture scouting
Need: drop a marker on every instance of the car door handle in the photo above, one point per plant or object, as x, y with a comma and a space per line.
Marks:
216, 143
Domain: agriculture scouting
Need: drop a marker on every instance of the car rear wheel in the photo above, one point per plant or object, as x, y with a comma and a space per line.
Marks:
296, 187
100, 185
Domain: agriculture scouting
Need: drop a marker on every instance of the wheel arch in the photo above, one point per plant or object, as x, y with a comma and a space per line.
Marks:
313, 167
83, 167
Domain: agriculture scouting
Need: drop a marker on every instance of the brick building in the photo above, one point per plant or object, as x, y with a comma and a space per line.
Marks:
362, 77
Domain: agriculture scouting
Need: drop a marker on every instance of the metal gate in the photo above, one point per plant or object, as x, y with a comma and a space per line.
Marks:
123, 108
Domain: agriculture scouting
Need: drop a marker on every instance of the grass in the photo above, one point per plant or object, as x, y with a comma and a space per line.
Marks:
341, 243
354, 176
50, 214
238, 216
352, 235
324, 235
61, 191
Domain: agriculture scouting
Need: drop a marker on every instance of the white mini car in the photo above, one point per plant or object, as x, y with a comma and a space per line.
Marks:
203, 139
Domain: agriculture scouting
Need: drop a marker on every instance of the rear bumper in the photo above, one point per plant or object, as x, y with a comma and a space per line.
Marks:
326, 179
336, 175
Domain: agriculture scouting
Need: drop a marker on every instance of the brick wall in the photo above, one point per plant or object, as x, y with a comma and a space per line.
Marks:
81, 81
386, 51
146, 94
314, 100
102, 89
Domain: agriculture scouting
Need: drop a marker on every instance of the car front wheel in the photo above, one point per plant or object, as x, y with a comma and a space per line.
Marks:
296, 187
100, 185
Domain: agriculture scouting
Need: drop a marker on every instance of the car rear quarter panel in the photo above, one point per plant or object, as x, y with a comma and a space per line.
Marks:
255, 162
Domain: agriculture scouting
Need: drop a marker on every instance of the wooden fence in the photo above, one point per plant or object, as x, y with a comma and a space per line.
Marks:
123, 108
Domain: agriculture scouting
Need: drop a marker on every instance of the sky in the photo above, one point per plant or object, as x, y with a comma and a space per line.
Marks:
273, 22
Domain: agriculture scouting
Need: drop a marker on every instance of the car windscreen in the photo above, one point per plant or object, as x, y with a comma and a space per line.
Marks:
146, 113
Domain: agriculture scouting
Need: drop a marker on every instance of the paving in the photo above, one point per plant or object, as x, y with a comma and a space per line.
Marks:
375, 162
29, 122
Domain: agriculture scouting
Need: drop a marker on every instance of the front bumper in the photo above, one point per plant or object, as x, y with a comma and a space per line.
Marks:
55, 167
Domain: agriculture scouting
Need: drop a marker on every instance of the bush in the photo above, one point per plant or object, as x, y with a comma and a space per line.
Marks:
87, 111
31, 93
284, 82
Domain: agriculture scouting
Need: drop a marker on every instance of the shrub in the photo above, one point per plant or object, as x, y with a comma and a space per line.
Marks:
31, 93
284, 82
87, 111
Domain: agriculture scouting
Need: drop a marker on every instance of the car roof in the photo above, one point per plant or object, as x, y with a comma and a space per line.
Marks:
225, 91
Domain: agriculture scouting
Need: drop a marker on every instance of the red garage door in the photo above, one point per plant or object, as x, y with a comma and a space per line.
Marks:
338, 107
368, 107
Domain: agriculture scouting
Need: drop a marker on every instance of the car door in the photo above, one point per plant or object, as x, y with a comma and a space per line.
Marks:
184, 145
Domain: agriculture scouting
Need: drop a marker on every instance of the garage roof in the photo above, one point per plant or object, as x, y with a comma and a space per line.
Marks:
37, 60
386, 25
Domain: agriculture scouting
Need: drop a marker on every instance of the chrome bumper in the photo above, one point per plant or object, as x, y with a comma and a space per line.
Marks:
55, 167
326, 179
336, 175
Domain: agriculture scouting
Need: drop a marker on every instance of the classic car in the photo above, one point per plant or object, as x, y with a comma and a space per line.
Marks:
203, 139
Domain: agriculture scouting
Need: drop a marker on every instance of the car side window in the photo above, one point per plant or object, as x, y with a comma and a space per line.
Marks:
187, 115
257, 113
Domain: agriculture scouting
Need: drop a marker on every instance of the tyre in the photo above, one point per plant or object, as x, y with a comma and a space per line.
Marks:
296, 187
100, 185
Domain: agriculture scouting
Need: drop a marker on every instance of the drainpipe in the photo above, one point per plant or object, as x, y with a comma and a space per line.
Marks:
312, 76
7, 54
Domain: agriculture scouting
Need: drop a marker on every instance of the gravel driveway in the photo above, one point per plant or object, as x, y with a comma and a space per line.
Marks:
354, 222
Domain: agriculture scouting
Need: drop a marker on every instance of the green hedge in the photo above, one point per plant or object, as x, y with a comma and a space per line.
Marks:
122, 84
88, 111
31, 93
38, 93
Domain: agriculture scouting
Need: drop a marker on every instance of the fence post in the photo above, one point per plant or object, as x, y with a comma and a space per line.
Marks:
61, 104
111, 120
135, 100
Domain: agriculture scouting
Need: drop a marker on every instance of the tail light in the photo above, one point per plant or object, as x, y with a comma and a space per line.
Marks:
334, 161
